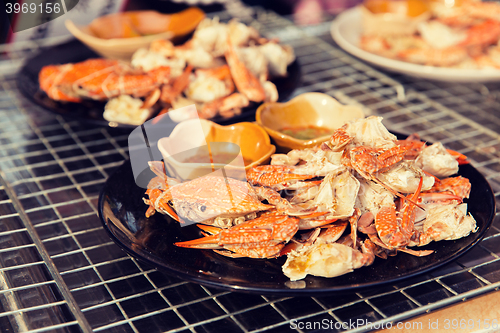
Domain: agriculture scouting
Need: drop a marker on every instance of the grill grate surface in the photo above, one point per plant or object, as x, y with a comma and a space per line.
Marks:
60, 272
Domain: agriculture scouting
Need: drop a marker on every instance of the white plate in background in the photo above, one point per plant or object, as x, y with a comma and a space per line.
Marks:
346, 31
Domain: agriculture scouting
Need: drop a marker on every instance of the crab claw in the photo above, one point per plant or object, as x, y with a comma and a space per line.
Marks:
272, 175
459, 186
263, 237
395, 228
338, 140
159, 205
461, 158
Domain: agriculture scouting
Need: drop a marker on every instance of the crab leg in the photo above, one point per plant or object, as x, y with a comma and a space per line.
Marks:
244, 80
395, 229
461, 158
374, 238
263, 237
170, 92
158, 202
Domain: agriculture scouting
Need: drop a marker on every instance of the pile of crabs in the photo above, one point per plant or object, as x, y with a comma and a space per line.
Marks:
221, 69
331, 208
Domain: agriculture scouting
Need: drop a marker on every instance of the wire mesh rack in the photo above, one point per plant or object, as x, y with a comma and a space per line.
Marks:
60, 272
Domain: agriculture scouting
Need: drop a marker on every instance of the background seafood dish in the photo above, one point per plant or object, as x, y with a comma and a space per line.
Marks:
465, 35
223, 68
395, 195
78, 253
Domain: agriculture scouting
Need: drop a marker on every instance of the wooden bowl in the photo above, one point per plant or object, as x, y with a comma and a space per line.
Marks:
235, 148
309, 110
175, 25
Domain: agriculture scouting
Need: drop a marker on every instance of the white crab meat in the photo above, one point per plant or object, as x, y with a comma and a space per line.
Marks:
437, 161
405, 178
240, 33
149, 60
271, 91
198, 57
318, 162
206, 88
278, 58
337, 194
439, 35
211, 35
447, 222
371, 197
320, 259
255, 61
293, 157
178, 112
370, 132
125, 109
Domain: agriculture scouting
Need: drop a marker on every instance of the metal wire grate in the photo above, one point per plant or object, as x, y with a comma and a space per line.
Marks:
60, 271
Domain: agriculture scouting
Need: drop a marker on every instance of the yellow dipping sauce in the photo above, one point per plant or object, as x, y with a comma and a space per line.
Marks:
306, 132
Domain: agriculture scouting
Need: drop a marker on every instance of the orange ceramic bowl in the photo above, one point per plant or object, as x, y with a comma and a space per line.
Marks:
236, 148
177, 25
309, 110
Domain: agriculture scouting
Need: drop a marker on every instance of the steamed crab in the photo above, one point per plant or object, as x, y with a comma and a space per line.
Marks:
219, 203
221, 69
360, 195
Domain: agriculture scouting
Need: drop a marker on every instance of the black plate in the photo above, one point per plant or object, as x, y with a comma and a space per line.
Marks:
122, 212
91, 111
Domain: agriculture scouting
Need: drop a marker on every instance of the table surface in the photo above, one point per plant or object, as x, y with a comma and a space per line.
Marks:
59, 271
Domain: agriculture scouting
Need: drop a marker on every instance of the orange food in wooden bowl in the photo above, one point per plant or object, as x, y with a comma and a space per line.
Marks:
119, 35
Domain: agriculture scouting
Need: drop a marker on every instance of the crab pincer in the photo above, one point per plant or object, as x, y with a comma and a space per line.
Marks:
396, 228
263, 237
277, 177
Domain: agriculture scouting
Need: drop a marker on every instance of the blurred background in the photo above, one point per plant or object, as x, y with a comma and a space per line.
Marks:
48, 25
